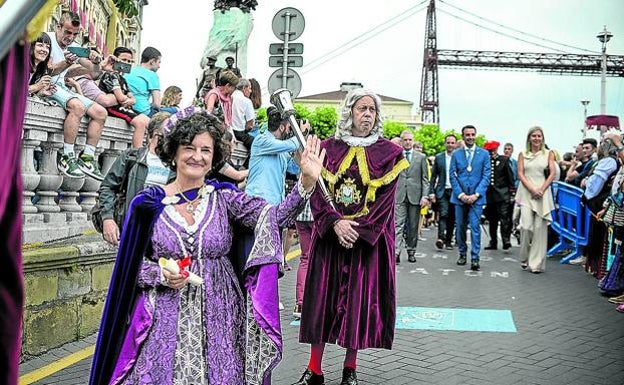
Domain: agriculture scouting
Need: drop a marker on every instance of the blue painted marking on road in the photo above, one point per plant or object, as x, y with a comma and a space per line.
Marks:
475, 320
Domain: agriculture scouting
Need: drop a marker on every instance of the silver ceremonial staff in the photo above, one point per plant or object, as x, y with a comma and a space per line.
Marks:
282, 99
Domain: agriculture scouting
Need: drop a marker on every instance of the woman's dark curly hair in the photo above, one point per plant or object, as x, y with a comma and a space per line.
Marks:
185, 131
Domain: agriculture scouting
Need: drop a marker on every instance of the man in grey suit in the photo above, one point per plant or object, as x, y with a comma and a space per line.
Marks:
440, 191
412, 189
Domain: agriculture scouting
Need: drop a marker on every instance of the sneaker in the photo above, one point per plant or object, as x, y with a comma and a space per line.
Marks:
297, 312
68, 166
577, 261
89, 166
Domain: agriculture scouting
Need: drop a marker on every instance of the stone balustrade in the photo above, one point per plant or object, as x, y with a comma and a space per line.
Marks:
62, 204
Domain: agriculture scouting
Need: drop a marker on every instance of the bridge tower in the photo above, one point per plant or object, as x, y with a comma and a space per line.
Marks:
429, 81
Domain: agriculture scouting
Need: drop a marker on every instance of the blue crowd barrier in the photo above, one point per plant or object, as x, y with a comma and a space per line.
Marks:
570, 220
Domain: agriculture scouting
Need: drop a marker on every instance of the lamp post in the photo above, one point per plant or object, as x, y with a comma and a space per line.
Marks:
584, 102
604, 38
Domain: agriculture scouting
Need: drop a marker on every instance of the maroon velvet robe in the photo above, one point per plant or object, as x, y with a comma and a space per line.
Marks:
350, 295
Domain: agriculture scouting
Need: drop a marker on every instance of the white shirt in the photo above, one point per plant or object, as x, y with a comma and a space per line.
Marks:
57, 56
447, 183
242, 111
157, 173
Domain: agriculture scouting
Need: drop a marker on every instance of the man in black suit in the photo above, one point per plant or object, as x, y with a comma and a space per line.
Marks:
498, 196
440, 193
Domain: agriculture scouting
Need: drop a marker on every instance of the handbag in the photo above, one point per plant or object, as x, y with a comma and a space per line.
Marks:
119, 203
547, 168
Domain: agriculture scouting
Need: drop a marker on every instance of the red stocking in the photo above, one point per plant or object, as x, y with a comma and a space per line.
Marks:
316, 358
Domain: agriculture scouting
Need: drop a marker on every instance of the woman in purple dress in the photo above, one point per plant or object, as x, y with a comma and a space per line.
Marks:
352, 302
159, 329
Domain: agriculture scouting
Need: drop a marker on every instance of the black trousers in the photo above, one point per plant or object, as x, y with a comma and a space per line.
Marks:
499, 212
446, 224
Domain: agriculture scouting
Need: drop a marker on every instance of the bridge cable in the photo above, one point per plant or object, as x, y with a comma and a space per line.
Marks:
517, 30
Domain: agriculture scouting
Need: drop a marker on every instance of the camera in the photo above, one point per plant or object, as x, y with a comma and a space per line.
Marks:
122, 67
80, 51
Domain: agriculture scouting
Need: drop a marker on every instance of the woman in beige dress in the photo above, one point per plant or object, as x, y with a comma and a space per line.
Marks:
535, 200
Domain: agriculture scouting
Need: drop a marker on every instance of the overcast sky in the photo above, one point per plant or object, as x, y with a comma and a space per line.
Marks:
503, 105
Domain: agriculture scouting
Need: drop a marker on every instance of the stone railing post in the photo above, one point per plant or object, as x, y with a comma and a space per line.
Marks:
51, 180
30, 177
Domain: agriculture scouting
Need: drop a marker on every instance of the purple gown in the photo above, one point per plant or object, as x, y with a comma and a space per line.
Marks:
208, 334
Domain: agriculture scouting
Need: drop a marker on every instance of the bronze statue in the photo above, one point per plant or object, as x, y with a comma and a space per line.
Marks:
243, 5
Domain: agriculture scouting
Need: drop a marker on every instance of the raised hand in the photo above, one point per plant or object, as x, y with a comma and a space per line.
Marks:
311, 165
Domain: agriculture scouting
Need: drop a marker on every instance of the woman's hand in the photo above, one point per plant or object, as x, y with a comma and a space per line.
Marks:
175, 281
347, 235
110, 231
312, 159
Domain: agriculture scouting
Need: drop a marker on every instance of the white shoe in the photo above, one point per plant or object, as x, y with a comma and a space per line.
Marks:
281, 306
578, 261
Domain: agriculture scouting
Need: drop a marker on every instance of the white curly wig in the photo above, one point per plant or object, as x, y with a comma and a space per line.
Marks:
345, 123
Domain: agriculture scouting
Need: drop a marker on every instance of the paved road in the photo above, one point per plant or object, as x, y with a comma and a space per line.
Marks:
566, 332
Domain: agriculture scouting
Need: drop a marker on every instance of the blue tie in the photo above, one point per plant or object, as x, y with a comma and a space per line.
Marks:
470, 156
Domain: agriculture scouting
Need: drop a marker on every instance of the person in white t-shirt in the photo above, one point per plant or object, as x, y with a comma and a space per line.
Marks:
243, 113
66, 64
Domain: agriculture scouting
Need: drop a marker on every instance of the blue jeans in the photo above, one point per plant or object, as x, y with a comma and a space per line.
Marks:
468, 215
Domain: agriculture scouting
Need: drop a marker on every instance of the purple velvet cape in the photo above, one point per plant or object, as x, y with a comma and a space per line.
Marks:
13, 90
350, 295
123, 291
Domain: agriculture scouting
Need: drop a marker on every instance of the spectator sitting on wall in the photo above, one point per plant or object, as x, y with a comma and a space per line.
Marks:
113, 83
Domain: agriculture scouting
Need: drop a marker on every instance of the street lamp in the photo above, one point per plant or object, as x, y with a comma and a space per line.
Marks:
584, 102
604, 38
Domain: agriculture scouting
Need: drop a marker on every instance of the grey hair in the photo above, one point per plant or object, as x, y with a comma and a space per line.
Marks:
345, 123
242, 83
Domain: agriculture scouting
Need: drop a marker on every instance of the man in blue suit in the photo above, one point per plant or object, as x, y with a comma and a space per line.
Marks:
470, 176
440, 192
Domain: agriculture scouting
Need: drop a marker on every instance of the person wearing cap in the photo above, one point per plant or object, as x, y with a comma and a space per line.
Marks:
498, 196
470, 176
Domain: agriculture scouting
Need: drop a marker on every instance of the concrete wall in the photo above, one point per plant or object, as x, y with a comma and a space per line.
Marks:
65, 290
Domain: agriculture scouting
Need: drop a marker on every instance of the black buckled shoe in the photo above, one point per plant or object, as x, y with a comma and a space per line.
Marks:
490, 247
507, 245
474, 265
311, 378
411, 258
461, 260
349, 377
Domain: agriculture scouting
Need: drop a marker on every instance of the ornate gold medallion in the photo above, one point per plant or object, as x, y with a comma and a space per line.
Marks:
347, 193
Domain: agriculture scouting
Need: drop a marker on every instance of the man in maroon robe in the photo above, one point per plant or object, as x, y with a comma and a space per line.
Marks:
350, 298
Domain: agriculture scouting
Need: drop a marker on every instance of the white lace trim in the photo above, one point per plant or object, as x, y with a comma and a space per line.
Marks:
199, 213
357, 141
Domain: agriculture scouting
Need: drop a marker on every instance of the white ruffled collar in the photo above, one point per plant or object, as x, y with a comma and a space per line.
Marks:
357, 141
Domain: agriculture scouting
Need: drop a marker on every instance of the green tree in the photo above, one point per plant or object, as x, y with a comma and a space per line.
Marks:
302, 112
324, 121
431, 137
261, 115
127, 7
392, 128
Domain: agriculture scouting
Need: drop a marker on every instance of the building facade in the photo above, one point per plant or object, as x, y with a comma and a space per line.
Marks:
393, 109
103, 26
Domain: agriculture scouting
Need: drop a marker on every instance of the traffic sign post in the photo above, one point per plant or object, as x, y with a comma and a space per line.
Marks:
288, 24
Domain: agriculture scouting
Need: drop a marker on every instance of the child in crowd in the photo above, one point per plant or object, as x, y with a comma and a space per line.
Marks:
113, 82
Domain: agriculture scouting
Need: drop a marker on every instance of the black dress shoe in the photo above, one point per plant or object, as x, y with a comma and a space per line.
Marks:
311, 378
491, 247
507, 246
439, 244
461, 260
411, 258
349, 377
474, 265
